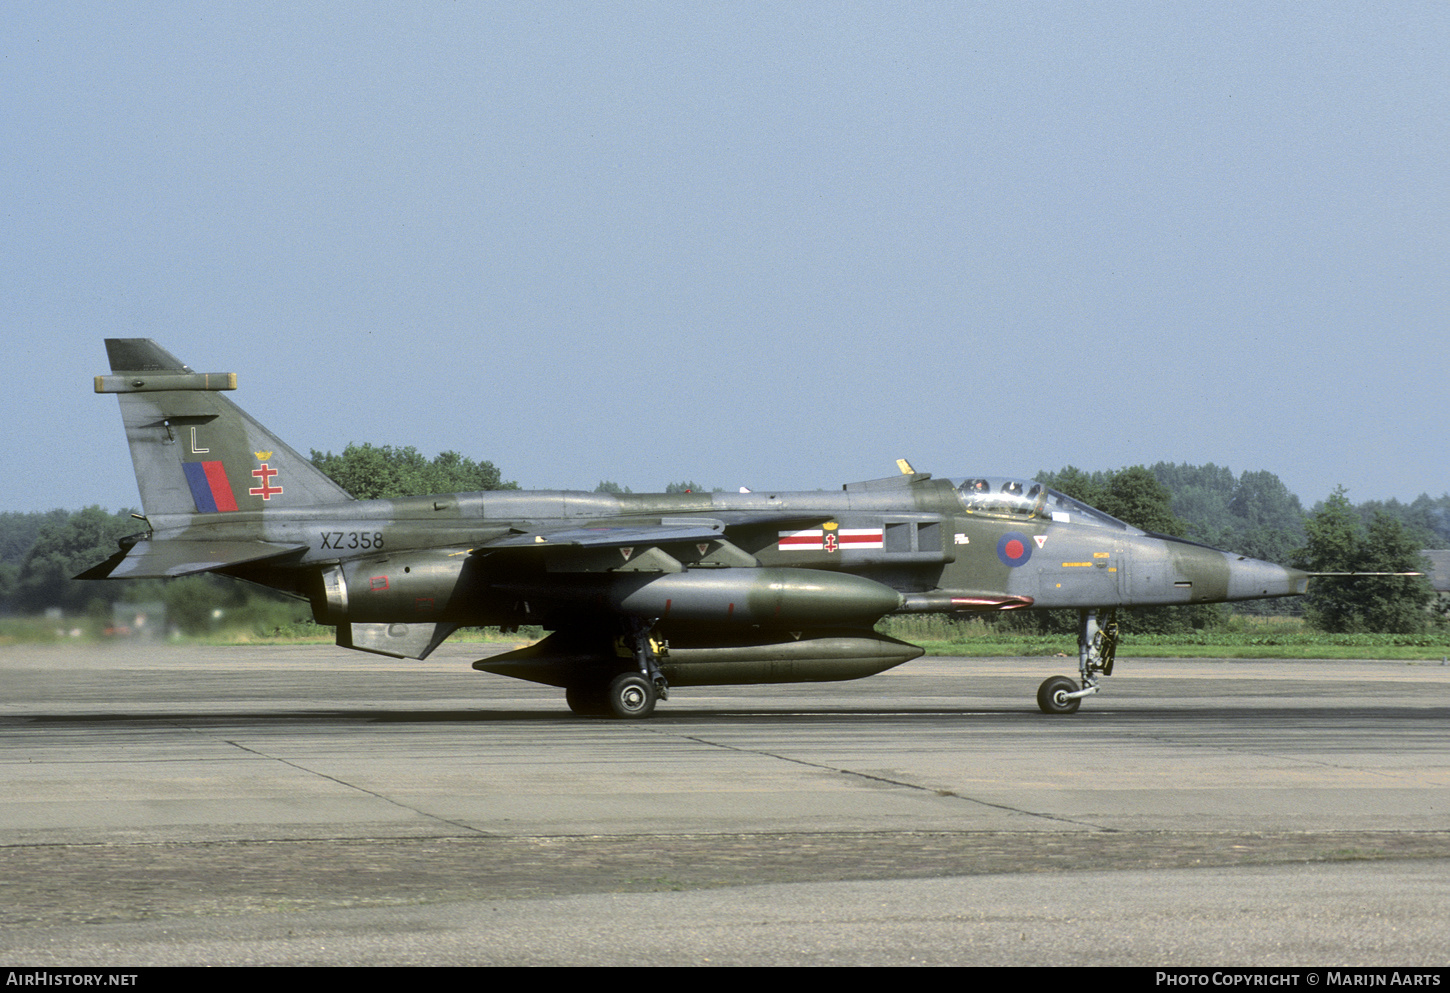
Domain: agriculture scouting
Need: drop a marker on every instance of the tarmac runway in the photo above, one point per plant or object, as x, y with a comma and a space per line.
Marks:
311, 805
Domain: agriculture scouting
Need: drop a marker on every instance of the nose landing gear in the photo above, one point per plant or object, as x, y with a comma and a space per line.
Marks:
1097, 647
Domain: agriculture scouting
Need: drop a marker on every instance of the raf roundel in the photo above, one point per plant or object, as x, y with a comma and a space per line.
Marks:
1014, 549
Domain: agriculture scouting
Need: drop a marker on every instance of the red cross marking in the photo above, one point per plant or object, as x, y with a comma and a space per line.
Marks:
266, 491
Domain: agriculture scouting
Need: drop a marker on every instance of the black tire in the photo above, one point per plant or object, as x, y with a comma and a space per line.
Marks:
586, 701
630, 695
1050, 699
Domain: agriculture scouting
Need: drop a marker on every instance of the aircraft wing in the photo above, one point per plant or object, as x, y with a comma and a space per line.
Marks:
166, 559
611, 537
669, 530
720, 540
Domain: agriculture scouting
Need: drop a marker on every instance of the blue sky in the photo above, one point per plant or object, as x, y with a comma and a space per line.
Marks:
772, 245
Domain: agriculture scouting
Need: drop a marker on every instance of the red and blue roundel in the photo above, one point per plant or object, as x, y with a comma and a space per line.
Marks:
1014, 549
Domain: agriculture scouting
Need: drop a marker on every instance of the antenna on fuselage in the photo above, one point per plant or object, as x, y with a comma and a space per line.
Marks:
1312, 575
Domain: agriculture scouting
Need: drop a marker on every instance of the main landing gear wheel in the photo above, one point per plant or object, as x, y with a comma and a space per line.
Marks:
1052, 696
587, 701
630, 695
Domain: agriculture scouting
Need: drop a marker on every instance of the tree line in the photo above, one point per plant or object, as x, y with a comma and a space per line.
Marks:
1251, 513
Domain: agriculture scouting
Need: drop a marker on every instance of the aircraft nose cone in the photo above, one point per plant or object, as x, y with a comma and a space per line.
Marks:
1253, 578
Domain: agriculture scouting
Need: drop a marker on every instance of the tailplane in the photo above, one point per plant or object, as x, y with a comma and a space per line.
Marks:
196, 452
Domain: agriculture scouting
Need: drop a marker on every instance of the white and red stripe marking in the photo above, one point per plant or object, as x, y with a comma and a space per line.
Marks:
802, 541
861, 538
821, 539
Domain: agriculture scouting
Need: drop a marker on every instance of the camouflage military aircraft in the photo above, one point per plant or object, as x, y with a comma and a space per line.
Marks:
643, 592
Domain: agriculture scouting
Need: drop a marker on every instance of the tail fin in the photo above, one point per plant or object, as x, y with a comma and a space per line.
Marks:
196, 452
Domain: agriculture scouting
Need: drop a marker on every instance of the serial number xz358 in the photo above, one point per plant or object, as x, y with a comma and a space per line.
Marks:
352, 539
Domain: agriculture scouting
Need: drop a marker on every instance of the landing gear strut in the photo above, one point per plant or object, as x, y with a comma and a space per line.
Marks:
629, 694
1097, 647
637, 638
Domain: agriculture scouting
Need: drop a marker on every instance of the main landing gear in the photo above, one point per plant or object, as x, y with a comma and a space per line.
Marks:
1096, 649
628, 694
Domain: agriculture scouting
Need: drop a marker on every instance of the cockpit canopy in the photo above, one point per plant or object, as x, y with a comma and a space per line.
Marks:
1022, 499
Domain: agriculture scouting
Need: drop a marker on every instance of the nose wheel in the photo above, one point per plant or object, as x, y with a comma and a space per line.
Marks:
1053, 698
1097, 647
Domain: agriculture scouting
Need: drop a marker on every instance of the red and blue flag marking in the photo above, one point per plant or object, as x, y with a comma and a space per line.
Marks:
209, 486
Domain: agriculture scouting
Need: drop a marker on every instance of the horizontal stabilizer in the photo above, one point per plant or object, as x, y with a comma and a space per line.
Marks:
167, 559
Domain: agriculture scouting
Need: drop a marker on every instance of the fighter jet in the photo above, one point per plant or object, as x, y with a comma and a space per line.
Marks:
642, 593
